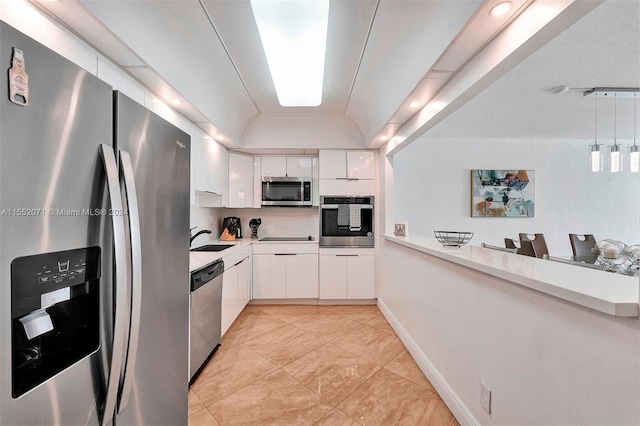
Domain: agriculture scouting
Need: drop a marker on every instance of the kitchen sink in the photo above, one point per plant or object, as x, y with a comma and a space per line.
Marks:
212, 247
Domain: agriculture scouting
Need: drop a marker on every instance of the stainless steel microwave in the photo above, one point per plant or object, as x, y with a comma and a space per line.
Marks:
286, 191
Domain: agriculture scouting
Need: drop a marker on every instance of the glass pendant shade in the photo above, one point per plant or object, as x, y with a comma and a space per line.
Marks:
634, 158
616, 158
596, 158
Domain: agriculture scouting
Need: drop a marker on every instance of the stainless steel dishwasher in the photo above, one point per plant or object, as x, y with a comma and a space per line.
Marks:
205, 317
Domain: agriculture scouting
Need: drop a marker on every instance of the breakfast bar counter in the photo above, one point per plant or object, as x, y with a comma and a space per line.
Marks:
606, 292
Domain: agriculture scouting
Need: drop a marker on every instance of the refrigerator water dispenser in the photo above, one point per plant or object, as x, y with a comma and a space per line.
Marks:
54, 314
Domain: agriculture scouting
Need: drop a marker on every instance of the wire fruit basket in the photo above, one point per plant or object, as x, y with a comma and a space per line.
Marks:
453, 238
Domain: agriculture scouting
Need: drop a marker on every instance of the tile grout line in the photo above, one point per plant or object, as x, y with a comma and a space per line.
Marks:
248, 384
280, 368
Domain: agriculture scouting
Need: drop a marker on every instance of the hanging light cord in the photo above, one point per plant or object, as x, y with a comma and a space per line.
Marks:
635, 117
615, 119
596, 123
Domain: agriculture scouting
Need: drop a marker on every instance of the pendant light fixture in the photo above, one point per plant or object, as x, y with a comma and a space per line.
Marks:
615, 154
634, 150
596, 157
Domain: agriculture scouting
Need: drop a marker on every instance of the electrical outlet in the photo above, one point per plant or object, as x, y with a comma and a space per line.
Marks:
401, 229
485, 397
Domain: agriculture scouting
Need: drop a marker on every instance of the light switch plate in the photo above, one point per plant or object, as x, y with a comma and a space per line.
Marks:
485, 397
401, 229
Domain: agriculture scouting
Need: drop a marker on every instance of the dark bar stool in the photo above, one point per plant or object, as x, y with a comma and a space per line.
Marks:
583, 247
538, 241
526, 248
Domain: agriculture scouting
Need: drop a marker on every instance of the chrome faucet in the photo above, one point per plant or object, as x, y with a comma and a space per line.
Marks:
192, 237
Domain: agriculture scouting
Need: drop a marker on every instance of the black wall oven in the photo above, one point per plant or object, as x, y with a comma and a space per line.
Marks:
346, 221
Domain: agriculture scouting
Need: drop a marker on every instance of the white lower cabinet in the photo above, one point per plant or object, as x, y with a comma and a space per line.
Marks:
301, 276
236, 289
269, 276
285, 271
346, 274
229, 297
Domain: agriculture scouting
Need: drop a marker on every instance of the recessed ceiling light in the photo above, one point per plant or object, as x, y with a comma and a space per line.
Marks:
559, 90
414, 104
176, 101
501, 8
437, 105
294, 38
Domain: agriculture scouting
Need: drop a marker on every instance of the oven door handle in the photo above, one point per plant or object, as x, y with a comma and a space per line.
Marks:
335, 206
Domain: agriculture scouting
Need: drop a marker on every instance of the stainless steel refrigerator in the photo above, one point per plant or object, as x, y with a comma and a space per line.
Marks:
94, 246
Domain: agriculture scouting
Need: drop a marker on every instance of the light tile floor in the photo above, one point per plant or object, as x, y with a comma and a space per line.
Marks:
313, 365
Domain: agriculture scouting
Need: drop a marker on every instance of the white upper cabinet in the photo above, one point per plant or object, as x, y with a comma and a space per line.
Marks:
315, 182
240, 180
347, 164
274, 166
346, 173
360, 165
257, 182
299, 166
211, 166
333, 164
287, 166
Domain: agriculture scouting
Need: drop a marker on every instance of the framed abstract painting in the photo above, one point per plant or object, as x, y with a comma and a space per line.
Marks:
502, 193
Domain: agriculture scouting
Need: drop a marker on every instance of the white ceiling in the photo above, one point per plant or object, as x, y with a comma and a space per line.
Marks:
347, 35
380, 53
600, 50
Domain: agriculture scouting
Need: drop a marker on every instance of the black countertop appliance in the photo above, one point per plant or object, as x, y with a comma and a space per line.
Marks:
232, 224
254, 224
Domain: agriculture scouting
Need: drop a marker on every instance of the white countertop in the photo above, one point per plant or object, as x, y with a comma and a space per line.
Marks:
606, 292
199, 259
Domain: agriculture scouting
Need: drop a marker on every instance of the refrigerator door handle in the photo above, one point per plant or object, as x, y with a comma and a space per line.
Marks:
133, 214
120, 278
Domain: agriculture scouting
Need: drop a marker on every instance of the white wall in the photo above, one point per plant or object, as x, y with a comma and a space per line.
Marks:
278, 221
432, 191
545, 360
205, 218
302, 132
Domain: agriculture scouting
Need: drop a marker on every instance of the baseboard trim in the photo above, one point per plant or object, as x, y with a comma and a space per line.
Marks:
326, 302
347, 301
450, 398
283, 302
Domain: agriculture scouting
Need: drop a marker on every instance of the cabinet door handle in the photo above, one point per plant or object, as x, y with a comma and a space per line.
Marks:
285, 254
347, 255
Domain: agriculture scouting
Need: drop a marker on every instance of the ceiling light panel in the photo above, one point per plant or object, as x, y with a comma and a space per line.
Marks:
294, 37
